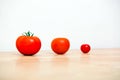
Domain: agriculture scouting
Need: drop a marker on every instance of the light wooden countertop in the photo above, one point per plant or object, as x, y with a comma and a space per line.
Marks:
99, 64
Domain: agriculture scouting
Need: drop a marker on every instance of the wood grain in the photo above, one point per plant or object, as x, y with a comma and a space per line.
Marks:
99, 64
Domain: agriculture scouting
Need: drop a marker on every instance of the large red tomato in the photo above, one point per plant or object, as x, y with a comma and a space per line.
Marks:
60, 45
28, 44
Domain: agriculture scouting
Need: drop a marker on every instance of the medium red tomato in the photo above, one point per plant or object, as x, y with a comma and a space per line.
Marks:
28, 44
85, 48
60, 45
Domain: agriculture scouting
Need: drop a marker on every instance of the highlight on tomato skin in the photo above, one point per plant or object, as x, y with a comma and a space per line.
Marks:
85, 48
60, 45
27, 44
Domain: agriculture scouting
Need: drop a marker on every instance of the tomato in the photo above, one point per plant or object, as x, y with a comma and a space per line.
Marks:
60, 45
28, 44
85, 48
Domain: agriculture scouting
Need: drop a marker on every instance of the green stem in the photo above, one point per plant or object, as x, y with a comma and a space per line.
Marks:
28, 33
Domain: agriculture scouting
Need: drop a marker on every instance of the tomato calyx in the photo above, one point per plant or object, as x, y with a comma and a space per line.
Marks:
28, 33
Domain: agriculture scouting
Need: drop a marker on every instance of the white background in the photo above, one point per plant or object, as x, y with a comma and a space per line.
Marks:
96, 22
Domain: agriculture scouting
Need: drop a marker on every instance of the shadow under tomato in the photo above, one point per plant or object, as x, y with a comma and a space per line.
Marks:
27, 63
60, 61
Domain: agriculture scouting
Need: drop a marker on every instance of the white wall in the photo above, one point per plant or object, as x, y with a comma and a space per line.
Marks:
96, 22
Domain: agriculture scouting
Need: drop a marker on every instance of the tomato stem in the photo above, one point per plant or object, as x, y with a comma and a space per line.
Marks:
28, 33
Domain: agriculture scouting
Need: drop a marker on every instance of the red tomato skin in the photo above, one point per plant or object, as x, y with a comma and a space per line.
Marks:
28, 45
85, 48
60, 45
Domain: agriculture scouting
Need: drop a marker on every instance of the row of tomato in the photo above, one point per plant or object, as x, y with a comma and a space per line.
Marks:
28, 44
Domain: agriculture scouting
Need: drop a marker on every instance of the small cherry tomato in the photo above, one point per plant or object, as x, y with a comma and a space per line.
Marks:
60, 45
28, 44
85, 48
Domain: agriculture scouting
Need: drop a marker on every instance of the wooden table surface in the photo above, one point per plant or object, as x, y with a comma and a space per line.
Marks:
99, 64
